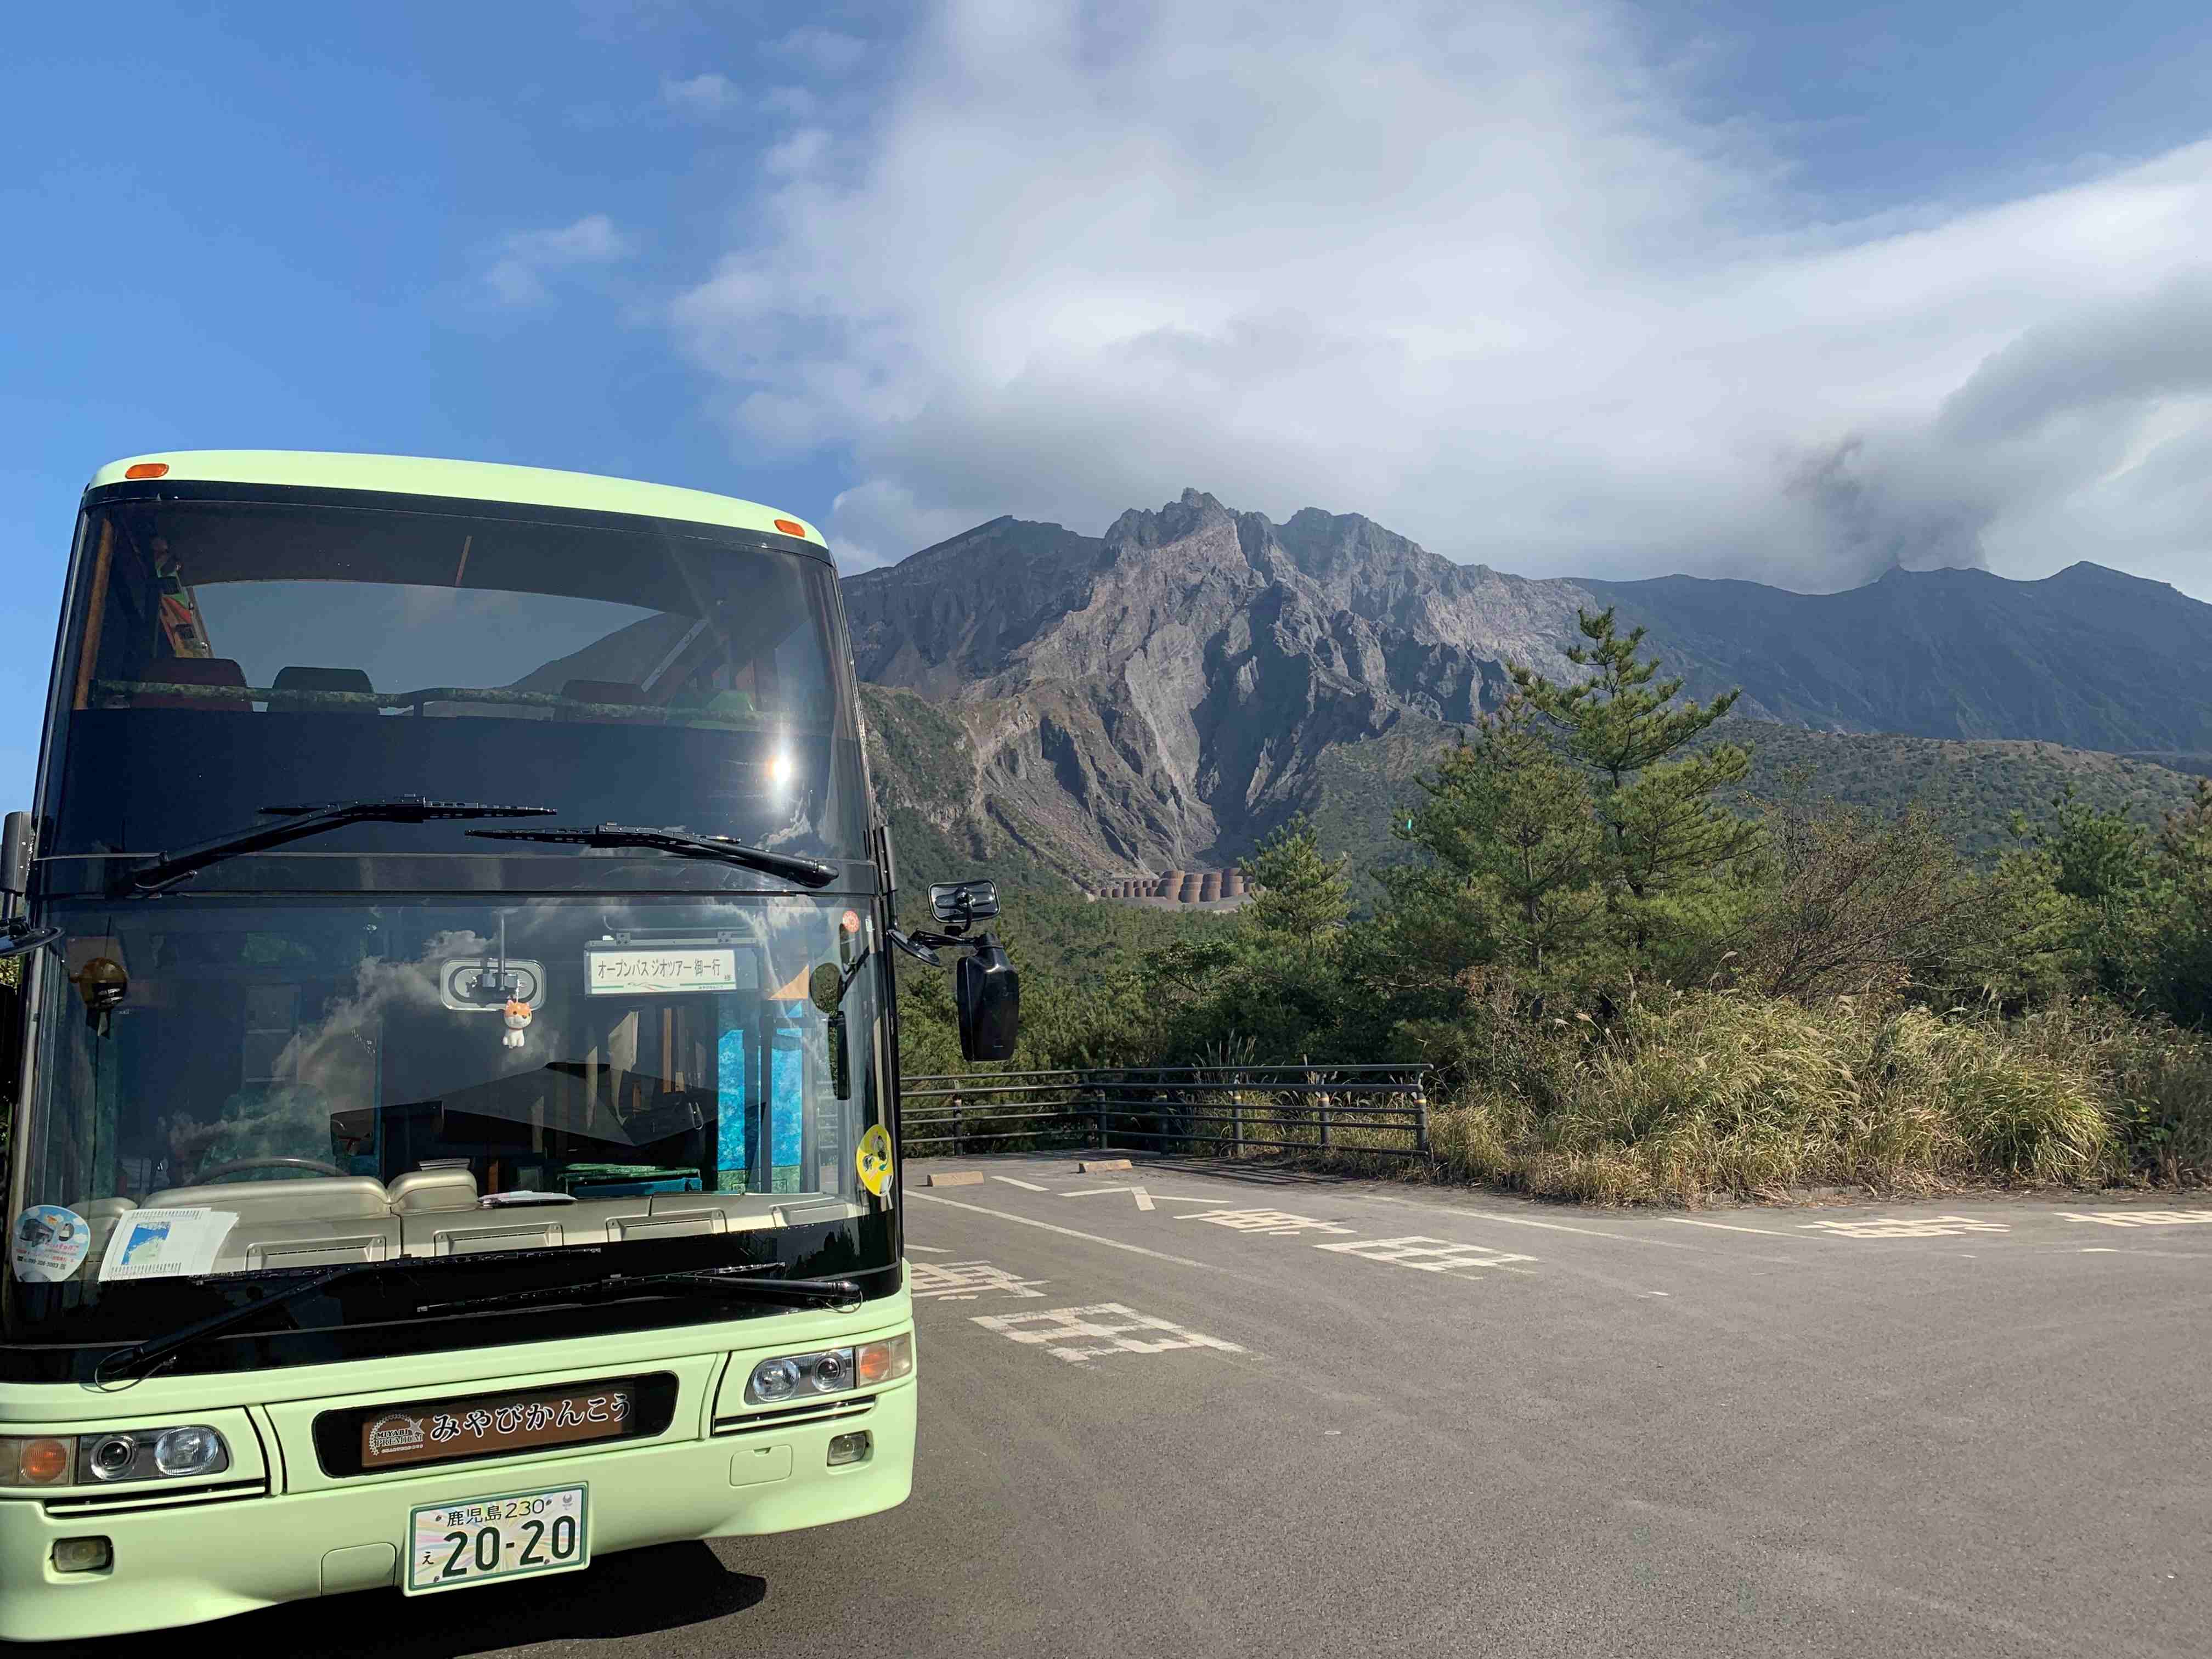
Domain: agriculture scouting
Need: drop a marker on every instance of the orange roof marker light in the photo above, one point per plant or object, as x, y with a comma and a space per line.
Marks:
789, 526
147, 469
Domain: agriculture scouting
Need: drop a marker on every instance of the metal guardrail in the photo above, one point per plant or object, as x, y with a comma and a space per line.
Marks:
955, 1114
1216, 1110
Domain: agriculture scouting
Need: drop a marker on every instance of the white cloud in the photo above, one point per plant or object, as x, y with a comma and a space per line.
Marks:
880, 522
703, 96
517, 277
1478, 274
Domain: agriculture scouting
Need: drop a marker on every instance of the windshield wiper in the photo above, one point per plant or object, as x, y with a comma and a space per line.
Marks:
842, 1294
166, 870
142, 1359
807, 873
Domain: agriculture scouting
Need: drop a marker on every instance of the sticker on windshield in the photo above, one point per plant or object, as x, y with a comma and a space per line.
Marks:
49, 1243
660, 970
166, 1243
873, 1160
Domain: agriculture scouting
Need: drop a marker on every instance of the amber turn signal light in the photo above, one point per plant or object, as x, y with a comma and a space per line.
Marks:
45, 1462
791, 526
147, 469
881, 1362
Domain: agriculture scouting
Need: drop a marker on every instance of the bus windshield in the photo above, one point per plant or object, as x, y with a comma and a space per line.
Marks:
226, 656
335, 1082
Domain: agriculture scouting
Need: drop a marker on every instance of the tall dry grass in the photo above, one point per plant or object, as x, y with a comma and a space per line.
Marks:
1696, 1096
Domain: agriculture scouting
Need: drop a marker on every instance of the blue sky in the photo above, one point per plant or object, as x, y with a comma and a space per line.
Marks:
902, 269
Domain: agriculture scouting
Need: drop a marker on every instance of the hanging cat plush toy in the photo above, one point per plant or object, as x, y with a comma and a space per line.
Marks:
518, 1019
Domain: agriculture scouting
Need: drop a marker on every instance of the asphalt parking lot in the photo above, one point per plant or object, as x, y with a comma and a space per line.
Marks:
1181, 1409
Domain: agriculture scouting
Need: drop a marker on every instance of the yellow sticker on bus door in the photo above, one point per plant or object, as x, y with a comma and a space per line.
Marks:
873, 1160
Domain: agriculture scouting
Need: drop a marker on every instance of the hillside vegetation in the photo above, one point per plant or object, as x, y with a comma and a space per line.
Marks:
1648, 965
1970, 789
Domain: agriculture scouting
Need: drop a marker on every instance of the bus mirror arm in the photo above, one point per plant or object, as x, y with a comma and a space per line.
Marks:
987, 992
918, 946
19, 939
923, 945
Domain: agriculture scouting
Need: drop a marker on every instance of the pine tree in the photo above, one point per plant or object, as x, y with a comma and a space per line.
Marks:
1668, 842
2104, 858
2172, 924
1298, 894
1517, 846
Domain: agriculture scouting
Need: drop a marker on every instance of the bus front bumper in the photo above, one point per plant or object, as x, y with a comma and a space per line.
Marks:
170, 1568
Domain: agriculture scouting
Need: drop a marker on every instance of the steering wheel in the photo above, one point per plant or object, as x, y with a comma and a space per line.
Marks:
314, 1165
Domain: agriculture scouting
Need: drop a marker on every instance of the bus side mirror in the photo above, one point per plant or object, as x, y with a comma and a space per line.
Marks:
987, 992
964, 903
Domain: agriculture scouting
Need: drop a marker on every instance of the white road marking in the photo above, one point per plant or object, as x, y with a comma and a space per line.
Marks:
1026, 1186
1729, 1227
1277, 1223
964, 1281
1932, 1226
1429, 1256
934, 1250
1070, 1232
2140, 1218
1119, 1329
1144, 1198
1562, 1227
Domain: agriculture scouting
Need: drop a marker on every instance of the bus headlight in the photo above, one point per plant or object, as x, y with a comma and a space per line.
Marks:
826, 1371
187, 1452
773, 1379
173, 1452
108, 1456
830, 1370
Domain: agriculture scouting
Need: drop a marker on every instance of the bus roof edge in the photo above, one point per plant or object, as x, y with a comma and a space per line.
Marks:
409, 475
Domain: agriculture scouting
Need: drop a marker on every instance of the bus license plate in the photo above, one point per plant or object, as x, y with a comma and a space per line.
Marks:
509, 1537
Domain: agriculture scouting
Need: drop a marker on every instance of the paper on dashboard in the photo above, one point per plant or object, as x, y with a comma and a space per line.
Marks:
166, 1243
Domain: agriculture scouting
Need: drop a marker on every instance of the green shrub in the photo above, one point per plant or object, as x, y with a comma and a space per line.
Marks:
1692, 1096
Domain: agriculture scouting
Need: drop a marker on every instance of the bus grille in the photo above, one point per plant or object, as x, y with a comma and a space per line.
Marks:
134, 1502
824, 1411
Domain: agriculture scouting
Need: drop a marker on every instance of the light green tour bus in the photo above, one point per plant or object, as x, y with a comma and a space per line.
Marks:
450, 1057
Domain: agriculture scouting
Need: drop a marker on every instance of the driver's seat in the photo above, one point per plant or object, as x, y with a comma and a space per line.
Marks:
274, 1121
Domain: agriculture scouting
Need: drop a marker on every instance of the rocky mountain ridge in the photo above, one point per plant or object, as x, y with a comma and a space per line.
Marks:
1161, 695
